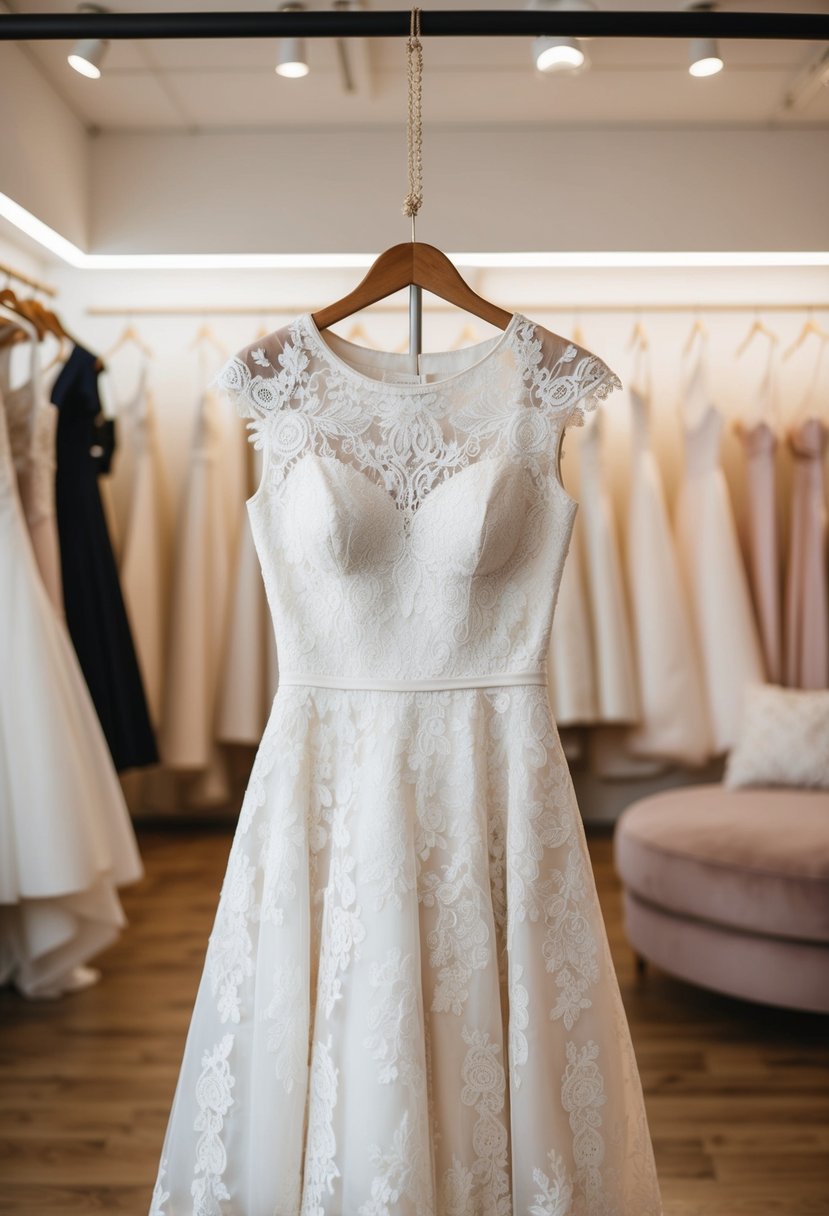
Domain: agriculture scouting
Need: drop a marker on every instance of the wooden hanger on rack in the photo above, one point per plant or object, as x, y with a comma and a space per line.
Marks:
130, 334
206, 334
810, 327
412, 264
639, 336
698, 328
758, 327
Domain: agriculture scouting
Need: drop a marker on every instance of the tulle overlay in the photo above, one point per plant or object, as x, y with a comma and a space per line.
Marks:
408, 1004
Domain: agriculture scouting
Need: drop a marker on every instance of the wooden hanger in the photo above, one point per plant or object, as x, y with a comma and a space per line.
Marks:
412, 263
757, 328
206, 334
357, 333
699, 327
638, 337
130, 334
810, 327
467, 334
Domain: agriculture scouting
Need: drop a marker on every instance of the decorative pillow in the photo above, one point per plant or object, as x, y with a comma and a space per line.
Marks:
783, 739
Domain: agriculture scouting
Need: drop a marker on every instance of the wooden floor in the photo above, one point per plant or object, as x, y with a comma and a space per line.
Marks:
737, 1094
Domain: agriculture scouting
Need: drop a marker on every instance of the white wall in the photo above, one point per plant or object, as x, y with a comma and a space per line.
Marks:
518, 188
43, 148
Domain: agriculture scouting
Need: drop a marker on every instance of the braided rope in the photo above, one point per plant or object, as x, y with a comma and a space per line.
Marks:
414, 52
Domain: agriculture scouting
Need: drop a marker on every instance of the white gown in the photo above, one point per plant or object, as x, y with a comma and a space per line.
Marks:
408, 1003
66, 838
198, 602
673, 721
711, 560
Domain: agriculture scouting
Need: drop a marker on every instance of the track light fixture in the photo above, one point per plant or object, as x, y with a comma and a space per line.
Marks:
292, 61
87, 54
704, 55
559, 54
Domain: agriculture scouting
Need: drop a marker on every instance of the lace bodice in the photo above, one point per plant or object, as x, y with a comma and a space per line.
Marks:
31, 422
412, 526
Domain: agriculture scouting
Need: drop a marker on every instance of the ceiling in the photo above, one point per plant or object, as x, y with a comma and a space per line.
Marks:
211, 85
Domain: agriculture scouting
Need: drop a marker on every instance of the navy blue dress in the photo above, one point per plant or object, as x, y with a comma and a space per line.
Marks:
95, 610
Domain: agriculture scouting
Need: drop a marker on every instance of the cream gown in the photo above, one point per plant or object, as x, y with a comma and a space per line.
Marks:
408, 1002
248, 676
618, 699
66, 838
712, 564
143, 557
198, 604
673, 717
758, 435
571, 677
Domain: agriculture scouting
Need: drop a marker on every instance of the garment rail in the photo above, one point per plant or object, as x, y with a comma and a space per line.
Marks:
9, 272
498, 23
537, 306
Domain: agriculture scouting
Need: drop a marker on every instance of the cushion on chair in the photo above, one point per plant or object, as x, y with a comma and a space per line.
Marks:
752, 859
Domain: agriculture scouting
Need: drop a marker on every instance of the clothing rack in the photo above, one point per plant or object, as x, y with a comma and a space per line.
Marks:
35, 284
498, 23
246, 310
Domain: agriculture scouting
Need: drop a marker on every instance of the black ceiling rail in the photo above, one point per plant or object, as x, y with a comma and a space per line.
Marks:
459, 23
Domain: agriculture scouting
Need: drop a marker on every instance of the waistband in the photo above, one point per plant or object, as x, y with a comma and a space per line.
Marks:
495, 679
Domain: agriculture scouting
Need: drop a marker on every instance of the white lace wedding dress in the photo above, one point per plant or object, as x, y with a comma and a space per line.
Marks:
408, 1005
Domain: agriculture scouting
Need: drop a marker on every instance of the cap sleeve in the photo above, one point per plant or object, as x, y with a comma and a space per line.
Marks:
259, 379
574, 382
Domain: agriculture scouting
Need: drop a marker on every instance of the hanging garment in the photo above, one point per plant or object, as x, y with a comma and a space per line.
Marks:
673, 717
31, 421
571, 678
66, 839
758, 435
198, 603
95, 611
807, 596
712, 564
408, 947
612, 645
247, 680
143, 552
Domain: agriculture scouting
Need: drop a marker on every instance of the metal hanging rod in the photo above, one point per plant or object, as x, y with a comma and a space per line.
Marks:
295, 310
463, 23
11, 273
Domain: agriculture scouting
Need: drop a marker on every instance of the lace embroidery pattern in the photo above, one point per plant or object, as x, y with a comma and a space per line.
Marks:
214, 1100
286, 1038
395, 1022
582, 1095
486, 1186
160, 1196
556, 1195
410, 443
321, 1150
345, 930
229, 958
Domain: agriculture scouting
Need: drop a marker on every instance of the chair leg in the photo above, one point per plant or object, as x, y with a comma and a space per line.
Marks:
641, 964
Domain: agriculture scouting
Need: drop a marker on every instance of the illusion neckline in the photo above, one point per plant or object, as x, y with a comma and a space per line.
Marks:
491, 346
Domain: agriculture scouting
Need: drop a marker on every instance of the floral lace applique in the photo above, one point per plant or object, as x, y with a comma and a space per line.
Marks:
214, 1101
287, 1038
321, 1146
